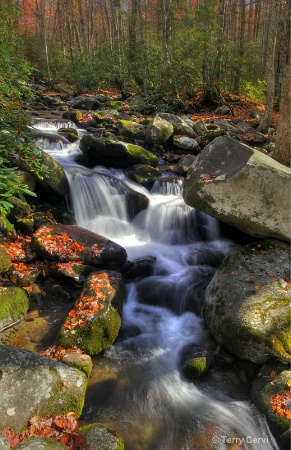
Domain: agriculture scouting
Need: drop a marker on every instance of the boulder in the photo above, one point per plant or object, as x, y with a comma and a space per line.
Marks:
195, 361
85, 102
187, 144
113, 153
131, 129
68, 243
5, 259
247, 303
94, 322
180, 126
14, 304
104, 116
271, 394
241, 186
99, 437
50, 137
31, 384
159, 131
183, 165
40, 443
223, 109
143, 174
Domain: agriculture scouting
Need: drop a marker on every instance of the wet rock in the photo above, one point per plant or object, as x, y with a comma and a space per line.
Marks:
247, 302
75, 271
271, 394
94, 322
114, 153
14, 304
50, 137
5, 259
140, 267
99, 437
159, 131
75, 116
71, 134
20, 209
143, 174
39, 442
70, 243
222, 183
24, 274
50, 387
195, 361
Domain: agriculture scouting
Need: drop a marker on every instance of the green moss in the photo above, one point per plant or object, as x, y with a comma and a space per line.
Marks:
115, 104
75, 116
14, 304
196, 367
64, 399
5, 260
95, 336
101, 437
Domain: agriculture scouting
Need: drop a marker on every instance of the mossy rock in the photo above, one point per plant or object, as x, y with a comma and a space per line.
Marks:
143, 174
94, 322
80, 361
14, 304
274, 379
113, 153
41, 443
159, 131
106, 116
247, 303
24, 177
100, 437
20, 209
5, 259
69, 133
115, 104
76, 116
131, 129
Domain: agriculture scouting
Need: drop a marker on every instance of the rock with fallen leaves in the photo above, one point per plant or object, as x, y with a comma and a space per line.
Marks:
100, 437
71, 243
247, 303
14, 304
242, 187
32, 384
94, 322
271, 394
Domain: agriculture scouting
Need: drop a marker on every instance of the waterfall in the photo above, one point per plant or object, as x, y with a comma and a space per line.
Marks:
137, 386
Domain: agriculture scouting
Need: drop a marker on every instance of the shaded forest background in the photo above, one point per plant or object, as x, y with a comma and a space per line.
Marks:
164, 49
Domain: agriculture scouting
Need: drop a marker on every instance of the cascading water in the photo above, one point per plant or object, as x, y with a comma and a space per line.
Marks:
137, 387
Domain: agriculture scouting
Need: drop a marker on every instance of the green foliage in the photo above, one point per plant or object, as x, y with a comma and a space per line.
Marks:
14, 142
255, 90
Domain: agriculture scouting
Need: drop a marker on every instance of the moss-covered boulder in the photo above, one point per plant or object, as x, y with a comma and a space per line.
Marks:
75, 116
5, 259
69, 133
143, 174
233, 182
247, 303
79, 360
271, 394
70, 243
99, 437
24, 177
106, 116
14, 304
40, 442
195, 361
31, 384
113, 153
131, 129
159, 131
75, 272
94, 322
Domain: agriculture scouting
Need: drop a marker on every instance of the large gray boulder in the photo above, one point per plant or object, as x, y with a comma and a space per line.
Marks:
241, 186
31, 384
180, 126
247, 303
159, 131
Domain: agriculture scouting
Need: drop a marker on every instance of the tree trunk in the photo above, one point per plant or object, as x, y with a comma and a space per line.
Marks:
270, 68
282, 152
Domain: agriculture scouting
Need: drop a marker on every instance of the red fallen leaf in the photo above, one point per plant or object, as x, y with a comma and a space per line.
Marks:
272, 375
234, 274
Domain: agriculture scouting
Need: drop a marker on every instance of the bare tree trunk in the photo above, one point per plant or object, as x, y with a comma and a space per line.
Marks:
270, 67
282, 152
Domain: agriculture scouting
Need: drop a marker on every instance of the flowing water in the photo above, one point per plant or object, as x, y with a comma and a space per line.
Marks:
137, 387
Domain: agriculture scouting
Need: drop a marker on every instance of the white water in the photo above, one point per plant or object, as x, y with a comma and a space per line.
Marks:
142, 393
